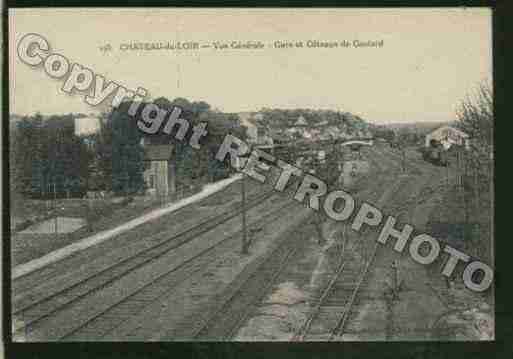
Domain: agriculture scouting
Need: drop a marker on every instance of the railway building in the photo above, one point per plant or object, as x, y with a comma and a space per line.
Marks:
447, 136
160, 172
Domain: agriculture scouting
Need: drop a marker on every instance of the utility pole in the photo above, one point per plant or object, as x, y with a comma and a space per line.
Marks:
459, 175
47, 195
492, 204
403, 163
461, 189
67, 185
395, 279
55, 208
245, 243
244, 231
474, 167
447, 173
90, 214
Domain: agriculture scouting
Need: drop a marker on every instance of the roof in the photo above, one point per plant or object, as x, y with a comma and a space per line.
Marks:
448, 136
443, 131
301, 121
158, 152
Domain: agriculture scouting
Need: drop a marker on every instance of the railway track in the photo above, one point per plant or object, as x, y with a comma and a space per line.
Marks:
376, 312
346, 282
339, 302
233, 311
35, 309
105, 326
334, 305
382, 162
155, 230
418, 165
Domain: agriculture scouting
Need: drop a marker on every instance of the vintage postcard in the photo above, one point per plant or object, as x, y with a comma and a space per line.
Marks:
286, 174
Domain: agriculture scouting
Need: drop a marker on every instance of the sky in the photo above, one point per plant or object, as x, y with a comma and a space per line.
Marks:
430, 58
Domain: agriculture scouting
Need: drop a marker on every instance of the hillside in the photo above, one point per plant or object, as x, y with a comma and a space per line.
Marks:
305, 124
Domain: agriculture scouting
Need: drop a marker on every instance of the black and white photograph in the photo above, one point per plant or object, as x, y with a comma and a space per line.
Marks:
251, 174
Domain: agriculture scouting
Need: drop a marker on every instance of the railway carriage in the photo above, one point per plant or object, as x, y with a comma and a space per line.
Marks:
435, 154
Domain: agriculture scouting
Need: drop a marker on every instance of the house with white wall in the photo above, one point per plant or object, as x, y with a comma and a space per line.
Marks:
448, 136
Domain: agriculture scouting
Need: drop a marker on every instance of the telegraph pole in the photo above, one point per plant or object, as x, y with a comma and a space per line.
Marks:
245, 243
58, 149
244, 231
492, 206
447, 173
403, 162
474, 168
55, 207
461, 190
91, 213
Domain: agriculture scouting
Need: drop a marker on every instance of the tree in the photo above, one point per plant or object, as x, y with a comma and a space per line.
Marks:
476, 118
127, 152
27, 153
192, 163
100, 171
49, 157
38, 161
66, 156
218, 126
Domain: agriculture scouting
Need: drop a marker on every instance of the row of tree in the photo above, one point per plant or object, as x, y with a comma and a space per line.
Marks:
48, 158
476, 118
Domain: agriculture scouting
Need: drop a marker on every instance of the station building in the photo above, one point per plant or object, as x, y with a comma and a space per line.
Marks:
448, 136
160, 173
